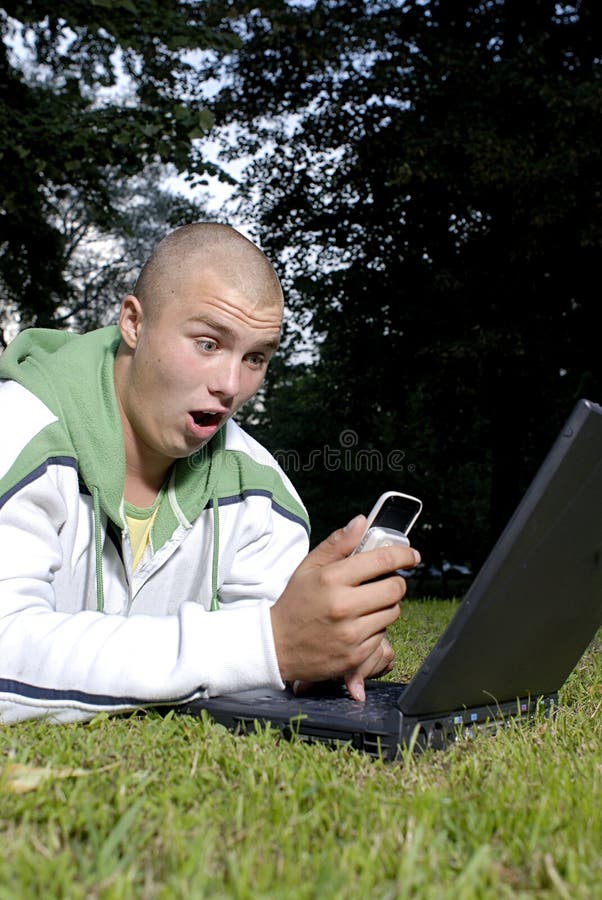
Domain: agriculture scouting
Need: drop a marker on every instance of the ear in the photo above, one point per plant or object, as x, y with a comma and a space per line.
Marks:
130, 320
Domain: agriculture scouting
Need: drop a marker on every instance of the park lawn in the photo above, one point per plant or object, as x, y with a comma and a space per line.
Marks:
146, 807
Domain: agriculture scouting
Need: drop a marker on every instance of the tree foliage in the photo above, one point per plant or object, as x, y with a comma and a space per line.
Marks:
102, 264
91, 94
430, 181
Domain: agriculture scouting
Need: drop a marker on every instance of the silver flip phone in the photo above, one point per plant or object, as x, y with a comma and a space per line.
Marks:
390, 521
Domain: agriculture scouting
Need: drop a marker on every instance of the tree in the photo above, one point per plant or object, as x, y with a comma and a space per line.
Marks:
101, 265
431, 187
90, 94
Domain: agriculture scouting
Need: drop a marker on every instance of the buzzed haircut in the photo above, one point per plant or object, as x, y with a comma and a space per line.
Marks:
219, 249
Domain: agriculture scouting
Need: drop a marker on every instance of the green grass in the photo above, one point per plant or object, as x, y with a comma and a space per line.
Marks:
178, 807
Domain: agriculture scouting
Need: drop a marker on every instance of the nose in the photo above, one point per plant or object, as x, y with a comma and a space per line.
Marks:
226, 378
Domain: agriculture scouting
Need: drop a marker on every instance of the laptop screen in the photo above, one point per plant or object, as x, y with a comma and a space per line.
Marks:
536, 603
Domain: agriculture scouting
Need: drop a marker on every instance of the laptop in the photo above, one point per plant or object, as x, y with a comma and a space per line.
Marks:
529, 615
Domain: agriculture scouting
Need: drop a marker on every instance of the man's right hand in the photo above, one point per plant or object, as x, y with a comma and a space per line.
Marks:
329, 621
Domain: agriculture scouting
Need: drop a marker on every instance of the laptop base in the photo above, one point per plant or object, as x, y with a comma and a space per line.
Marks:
377, 727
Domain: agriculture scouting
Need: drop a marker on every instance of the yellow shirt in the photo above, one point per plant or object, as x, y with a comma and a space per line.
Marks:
140, 522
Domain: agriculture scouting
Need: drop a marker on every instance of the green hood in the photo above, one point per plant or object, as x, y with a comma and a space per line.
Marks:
73, 375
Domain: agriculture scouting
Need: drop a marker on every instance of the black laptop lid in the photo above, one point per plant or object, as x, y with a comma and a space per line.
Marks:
537, 601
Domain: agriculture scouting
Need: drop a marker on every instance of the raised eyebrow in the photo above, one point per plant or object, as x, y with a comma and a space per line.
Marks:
213, 323
272, 344
269, 344
266, 349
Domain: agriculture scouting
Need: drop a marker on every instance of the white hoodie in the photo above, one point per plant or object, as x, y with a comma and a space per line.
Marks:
79, 631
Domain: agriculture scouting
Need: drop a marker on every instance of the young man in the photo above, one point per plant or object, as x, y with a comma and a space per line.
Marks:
150, 550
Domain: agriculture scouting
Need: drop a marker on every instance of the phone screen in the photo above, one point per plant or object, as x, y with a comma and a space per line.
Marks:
397, 512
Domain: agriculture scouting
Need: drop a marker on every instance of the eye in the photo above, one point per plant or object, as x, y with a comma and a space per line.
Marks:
206, 345
256, 360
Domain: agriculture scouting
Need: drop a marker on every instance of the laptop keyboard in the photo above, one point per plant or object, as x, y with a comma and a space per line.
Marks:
380, 697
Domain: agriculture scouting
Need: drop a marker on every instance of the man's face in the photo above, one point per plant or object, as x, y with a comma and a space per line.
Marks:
200, 355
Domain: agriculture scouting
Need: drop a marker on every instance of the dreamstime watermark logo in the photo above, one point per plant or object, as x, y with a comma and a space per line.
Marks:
348, 457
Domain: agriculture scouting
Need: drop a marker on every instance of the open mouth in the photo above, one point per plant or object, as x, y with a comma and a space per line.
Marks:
205, 418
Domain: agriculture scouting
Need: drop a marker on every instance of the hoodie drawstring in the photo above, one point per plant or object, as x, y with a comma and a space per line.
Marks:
214, 569
100, 594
